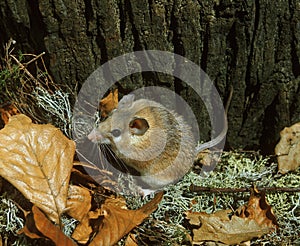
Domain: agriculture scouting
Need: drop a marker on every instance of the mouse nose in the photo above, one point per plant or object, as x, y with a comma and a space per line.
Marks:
95, 136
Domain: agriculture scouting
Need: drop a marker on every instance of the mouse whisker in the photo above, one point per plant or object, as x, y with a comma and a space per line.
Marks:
102, 159
111, 156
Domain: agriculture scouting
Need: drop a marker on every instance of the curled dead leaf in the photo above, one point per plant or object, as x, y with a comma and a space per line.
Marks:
258, 209
78, 207
37, 160
38, 226
208, 159
118, 221
109, 103
219, 227
131, 240
8, 111
288, 149
253, 220
79, 202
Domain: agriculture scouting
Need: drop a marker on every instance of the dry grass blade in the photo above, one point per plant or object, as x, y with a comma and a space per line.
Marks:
25, 82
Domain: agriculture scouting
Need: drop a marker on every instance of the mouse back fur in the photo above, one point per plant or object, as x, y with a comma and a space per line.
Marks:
156, 142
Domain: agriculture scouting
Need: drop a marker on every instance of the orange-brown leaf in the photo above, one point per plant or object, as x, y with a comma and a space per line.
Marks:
78, 207
219, 227
29, 228
254, 220
49, 230
79, 202
82, 232
117, 221
37, 160
109, 103
259, 210
7, 112
131, 240
288, 149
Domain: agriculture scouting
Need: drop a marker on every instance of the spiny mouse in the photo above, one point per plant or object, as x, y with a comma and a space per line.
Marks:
153, 140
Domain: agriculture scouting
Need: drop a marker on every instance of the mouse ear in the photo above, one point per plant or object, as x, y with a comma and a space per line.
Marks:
126, 101
138, 126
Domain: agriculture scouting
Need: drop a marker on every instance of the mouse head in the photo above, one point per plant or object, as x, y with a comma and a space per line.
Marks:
133, 129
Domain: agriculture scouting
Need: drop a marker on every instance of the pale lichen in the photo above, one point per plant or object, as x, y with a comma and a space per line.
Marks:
235, 170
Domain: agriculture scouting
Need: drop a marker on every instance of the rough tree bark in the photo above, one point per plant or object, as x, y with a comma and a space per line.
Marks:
252, 45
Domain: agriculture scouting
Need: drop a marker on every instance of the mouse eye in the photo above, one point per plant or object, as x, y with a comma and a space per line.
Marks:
116, 132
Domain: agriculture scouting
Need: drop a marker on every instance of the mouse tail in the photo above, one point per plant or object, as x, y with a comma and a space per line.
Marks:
223, 133
214, 141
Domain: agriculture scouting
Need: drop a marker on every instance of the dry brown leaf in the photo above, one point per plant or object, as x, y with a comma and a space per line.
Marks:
78, 207
29, 229
117, 222
259, 210
109, 103
255, 220
37, 160
220, 228
82, 232
131, 240
288, 149
208, 158
79, 202
44, 225
8, 111
46, 228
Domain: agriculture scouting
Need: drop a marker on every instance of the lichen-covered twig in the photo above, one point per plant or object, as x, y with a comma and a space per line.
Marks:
199, 189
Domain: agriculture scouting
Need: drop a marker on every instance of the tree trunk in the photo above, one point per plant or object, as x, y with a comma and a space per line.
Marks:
253, 46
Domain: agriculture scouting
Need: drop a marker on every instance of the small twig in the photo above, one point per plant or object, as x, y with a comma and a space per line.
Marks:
8, 51
199, 189
35, 57
23, 68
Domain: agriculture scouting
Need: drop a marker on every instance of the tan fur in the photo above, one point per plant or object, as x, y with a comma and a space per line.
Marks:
163, 154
